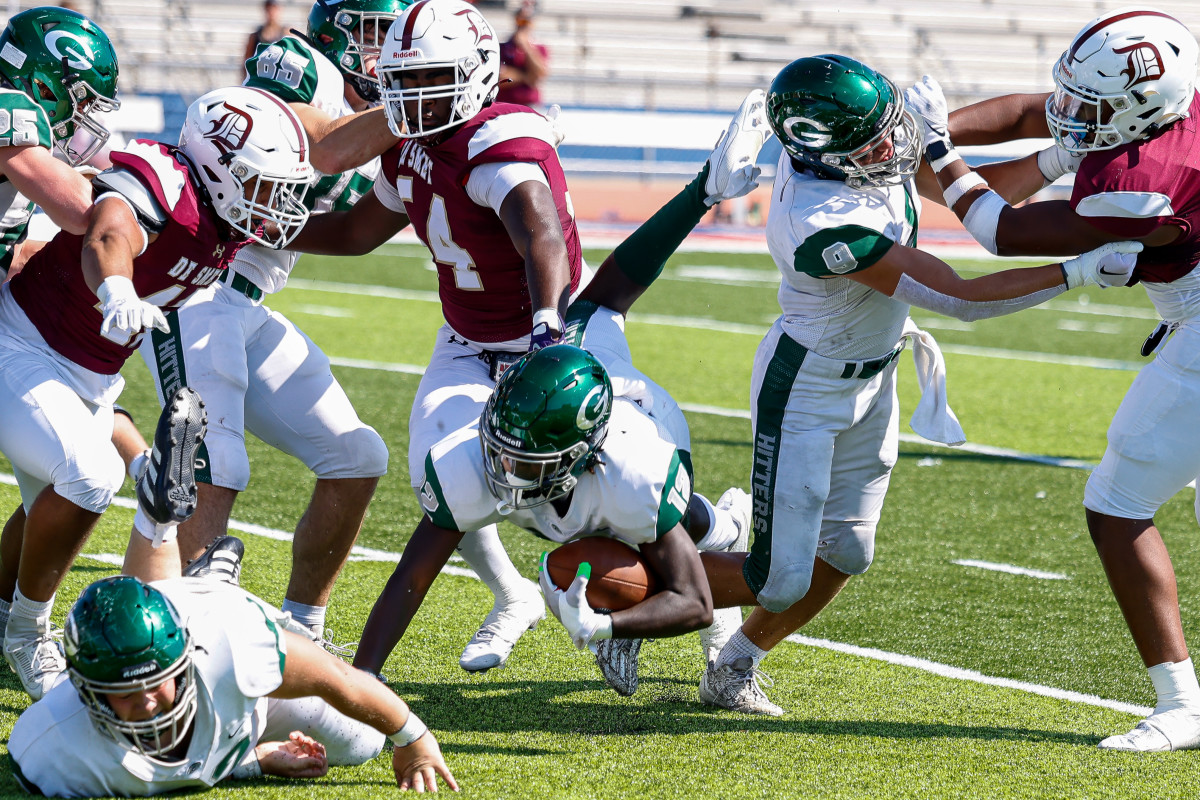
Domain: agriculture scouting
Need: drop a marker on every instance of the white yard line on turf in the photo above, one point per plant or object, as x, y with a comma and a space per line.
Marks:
944, 670
1011, 569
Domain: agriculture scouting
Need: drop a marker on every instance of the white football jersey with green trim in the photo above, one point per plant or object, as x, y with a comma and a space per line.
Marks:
22, 123
638, 476
296, 72
238, 651
820, 230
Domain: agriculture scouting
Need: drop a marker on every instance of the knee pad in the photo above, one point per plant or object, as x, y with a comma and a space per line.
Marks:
361, 453
847, 546
785, 586
93, 485
228, 465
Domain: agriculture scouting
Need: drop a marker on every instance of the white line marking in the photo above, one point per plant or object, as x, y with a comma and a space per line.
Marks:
946, 671
1011, 569
322, 311
1083, 326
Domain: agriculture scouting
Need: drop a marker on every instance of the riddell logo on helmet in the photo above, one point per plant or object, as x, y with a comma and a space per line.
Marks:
138, 670
1145, 63
230, 132
407, 54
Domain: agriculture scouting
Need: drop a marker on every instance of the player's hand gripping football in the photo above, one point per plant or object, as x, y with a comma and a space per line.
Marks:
583, 624
926, 100
1108, 265
125, 314
552, 593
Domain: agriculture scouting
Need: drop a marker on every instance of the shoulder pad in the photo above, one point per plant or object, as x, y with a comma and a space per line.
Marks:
165, 176
23, 122
517, 136
837, 251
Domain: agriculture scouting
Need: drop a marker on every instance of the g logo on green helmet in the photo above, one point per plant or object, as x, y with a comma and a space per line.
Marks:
807, 132
593, 408
76, 51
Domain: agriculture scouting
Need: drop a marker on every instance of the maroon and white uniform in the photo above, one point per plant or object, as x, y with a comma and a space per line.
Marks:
1153, 441
481, 276
60, 377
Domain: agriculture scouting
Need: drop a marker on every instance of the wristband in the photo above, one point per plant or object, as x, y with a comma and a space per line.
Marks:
412, 730
940, 155
549, 316
963, 184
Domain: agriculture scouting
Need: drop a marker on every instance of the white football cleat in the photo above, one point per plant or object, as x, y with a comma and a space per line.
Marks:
618, 663
736, 687
731, 170
503, 626
38, 661
1161, 732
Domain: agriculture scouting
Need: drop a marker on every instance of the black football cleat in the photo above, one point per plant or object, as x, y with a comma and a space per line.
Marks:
222, 561
166, 489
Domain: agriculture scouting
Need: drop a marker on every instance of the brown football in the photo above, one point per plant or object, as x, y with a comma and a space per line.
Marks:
620, 576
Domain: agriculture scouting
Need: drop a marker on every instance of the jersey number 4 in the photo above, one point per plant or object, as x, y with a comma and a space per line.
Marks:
445, 251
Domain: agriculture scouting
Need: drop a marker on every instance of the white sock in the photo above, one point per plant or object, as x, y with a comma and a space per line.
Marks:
740, 645
28, 617
311, 617
138, 464
484, 553
722, 532
5, 607
1176, 686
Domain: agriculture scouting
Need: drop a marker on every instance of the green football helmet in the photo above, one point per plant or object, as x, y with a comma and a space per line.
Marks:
833, 115
347, 30
544, 425
67, 65
124, 636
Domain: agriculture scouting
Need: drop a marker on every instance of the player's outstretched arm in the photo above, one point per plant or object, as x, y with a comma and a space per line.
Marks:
531, 219
64, 194
1000, 119
356, 232
347, 142
309, 671
424, 556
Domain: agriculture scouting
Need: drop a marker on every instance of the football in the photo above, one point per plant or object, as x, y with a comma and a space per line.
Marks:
620, 576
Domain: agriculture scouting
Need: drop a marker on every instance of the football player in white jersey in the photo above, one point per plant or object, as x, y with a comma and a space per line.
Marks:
254, 368
842, 230
610, 455
186, 682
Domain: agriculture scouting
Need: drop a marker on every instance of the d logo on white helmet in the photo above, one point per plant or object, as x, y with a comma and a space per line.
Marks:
232, 130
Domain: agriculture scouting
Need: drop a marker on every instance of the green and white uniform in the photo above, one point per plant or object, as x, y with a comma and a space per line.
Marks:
638, 491
239, 654
823, 393
22, 123
254, 368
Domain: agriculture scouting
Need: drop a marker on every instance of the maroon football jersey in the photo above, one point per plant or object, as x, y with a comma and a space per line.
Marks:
1162, 179
481, 276
188, 255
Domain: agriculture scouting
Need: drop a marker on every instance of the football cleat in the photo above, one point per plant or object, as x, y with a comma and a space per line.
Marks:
504, 625
221, 561
1161, 732
618, 663
345, 651
38, 661
166, 489
736, 687
731, 169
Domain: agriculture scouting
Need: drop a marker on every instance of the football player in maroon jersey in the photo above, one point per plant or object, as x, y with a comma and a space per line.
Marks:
1124, 116
164, 222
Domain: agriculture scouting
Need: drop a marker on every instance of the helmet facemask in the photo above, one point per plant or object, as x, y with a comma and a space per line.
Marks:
459, 88
351, 34
521, 479
86, 102
270, 209
155, 737
861, 171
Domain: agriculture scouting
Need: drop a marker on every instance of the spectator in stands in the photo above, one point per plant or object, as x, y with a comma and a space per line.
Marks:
524, 63
271, 30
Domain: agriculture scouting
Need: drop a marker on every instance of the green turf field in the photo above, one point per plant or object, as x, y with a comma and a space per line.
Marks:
926, 678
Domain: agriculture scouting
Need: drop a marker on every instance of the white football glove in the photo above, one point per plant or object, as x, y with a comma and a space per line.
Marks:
1054, 162
926, 100
552, 593
556, 127
582, 623
125, 314
1108, 265
731, 170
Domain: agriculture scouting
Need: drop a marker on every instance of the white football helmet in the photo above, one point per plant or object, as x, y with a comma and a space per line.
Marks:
1126, 75
251, 153
431, 35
